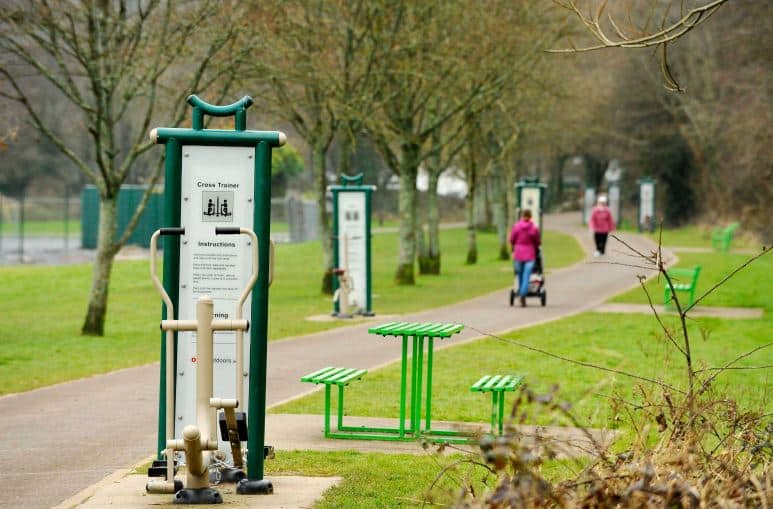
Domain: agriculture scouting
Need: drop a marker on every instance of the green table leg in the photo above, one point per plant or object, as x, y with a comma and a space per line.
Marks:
327, 410
417, 399
494, 408
501, 410
403, 376
428, 413
340, 407
414, 372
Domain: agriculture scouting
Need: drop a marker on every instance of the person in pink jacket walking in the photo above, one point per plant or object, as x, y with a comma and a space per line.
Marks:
601, 223
525, 239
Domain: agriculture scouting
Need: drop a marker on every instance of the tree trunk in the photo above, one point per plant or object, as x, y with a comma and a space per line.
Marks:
499, 210
472, 245
407, 212
479, 205
94, 323
429, 262
319, 170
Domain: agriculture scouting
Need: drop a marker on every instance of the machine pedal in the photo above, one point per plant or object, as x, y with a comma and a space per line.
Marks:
241, 426
158, 468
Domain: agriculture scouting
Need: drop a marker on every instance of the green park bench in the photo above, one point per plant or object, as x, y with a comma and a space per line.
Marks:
723, 236
334, 376
497, 385
683, 280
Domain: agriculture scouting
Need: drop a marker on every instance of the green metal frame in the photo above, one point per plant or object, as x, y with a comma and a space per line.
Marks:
415, 334
497, 385
410, 427
647, 180
690, 274
353, 184
532, 182
263, 142
721, 238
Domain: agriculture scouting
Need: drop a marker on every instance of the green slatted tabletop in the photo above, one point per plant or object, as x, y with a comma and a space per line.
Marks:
418, 334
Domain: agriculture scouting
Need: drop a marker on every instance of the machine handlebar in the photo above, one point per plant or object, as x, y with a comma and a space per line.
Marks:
227, 230
171, 231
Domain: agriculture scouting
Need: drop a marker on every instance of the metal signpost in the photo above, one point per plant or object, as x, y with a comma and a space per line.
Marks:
589, 200
219, 178
614, 201
530, 194
351, 243
646, 204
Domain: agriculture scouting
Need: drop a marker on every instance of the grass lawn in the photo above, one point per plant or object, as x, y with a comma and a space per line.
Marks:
370, 480
41, 227
630, 343
43, 307
697, 236
749, 288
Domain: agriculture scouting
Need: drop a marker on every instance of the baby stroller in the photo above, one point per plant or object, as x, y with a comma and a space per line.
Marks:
536, 283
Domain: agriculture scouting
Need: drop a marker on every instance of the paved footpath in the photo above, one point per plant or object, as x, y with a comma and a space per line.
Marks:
58, 440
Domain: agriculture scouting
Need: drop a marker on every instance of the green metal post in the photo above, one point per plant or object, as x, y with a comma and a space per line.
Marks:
171, 276
414, 374
256, 421
420, 366
336, 254
368, 265
501, 410
327, 410
340, 406
428, 415
403, 385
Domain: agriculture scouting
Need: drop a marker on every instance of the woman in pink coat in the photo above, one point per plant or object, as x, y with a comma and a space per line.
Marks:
601, 223
525, 239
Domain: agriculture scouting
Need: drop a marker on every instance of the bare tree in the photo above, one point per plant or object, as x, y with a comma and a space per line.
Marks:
116, 63
658, 24
446, 65
312, 61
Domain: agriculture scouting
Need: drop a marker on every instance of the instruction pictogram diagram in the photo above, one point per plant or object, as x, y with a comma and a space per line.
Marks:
217, 206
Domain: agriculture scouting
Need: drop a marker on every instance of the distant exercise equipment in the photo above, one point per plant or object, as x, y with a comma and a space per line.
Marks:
351, 246
343, 294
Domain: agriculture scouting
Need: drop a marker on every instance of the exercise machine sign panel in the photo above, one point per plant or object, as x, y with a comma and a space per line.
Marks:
351, 223
614, 202
530, 199
647, 197
217, 190
590, 201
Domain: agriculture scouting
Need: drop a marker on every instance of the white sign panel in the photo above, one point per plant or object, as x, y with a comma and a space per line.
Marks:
217, 190
351, 223
614, 203
647, 200
589, 202
530, 200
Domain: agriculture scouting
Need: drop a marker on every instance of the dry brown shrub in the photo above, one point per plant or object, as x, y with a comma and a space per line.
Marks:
692, 448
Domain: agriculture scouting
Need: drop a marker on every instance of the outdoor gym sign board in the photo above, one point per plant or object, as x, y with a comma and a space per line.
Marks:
646, 204
351, 244
218, 178
530, 194
217, 190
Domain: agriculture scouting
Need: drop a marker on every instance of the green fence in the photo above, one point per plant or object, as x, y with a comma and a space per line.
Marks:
128, 200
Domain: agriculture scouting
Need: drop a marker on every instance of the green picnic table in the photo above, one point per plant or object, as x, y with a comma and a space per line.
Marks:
417, 335
414, 336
